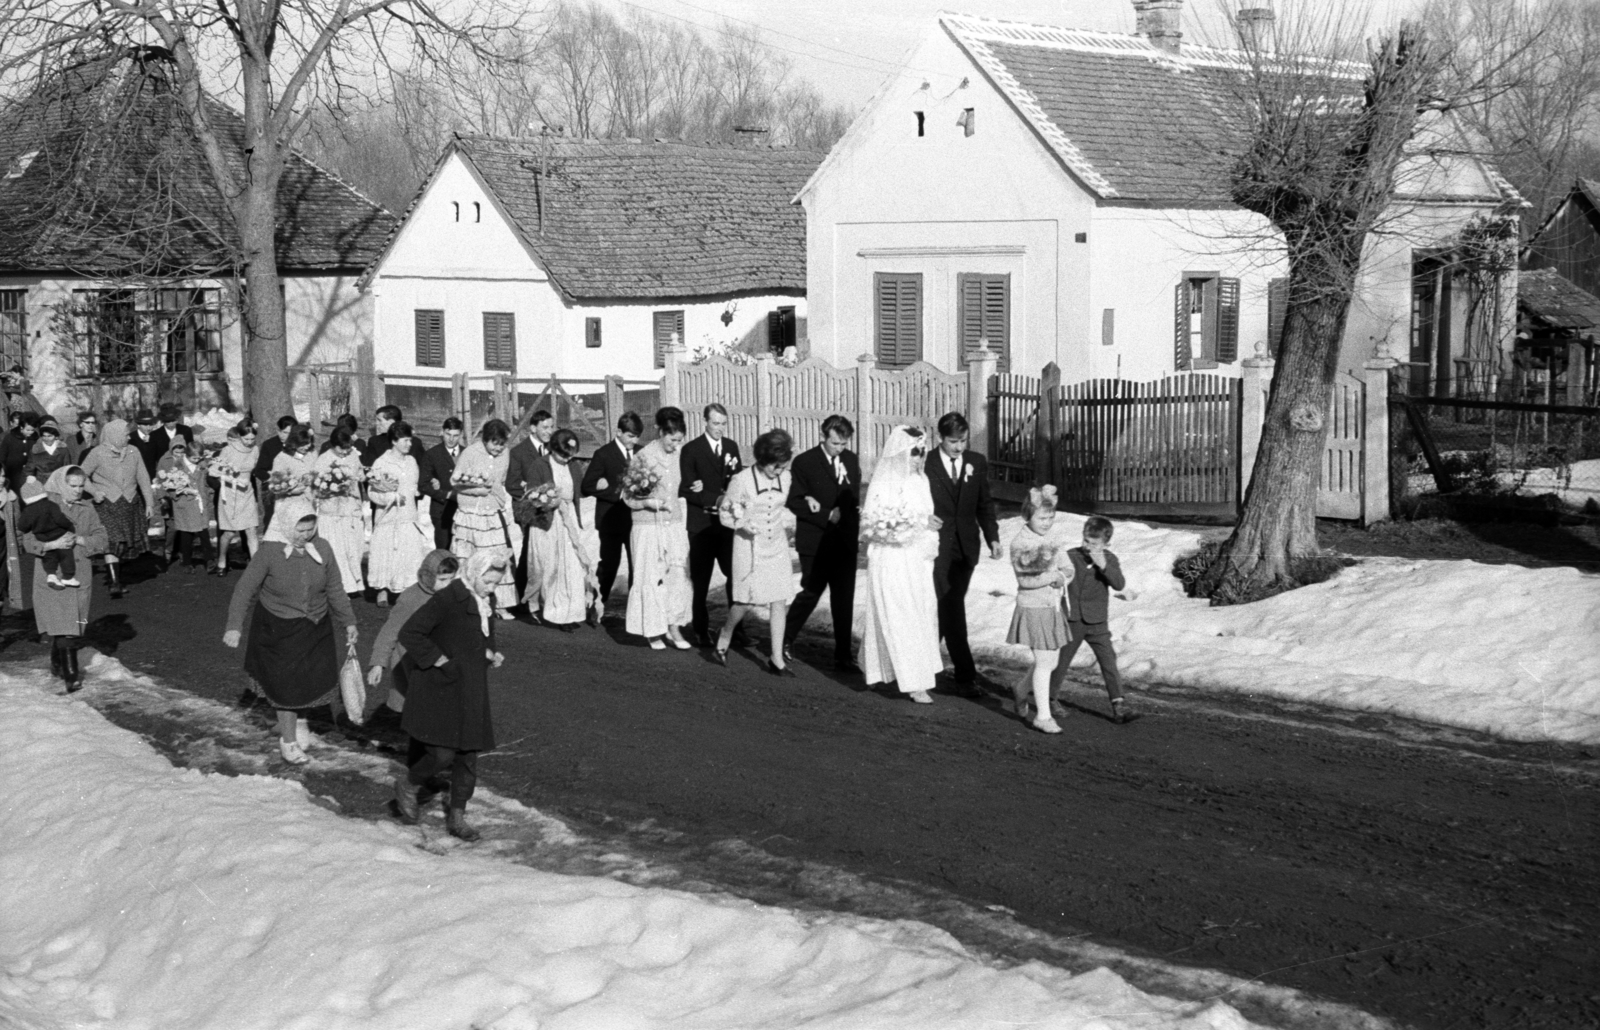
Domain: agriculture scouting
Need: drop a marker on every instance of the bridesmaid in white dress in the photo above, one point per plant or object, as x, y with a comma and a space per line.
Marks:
295, 461
340, 515
399, 541
901, 641
563, 563
658, 593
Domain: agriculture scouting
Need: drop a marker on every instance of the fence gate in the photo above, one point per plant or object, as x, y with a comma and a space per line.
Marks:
1339, 491
1165, 447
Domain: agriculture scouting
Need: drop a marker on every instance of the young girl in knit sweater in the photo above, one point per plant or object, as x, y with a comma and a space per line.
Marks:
1040, 559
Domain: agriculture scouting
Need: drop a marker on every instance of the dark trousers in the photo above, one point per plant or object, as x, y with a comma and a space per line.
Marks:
444, 517
1098, 636
952, 574
832, 569
185, 546
709, 547
428, 765
60, 563
611, 547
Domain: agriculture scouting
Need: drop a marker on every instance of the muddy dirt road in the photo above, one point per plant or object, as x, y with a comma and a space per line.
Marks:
1438, 879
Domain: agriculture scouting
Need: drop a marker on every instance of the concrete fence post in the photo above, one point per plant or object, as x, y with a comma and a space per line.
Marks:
981, 368
1257, 383
669, 373
1375, 434
1047, 425
866, 440
764, 362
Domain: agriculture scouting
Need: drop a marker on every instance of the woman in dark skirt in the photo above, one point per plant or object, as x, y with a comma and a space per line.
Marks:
124, 499
450, 643
292, 656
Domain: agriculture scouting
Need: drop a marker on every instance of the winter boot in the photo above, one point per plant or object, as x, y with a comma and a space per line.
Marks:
58, 661
113, 580
405, 800
70, 671
455, 821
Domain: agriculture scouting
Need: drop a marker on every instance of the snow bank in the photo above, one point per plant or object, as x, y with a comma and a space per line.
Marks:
145, 896
1500, 648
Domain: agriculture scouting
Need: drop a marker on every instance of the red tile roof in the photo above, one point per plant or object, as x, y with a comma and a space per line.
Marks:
614, 219
99, 178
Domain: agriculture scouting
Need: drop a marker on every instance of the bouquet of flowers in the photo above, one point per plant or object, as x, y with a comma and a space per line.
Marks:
736, 510
468, 480
640, 481
889, 525
382, 483
282, 483
174, 481
542, 497
334, 481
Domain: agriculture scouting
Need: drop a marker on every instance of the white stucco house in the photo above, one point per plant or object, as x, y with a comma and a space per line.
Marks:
1051, 190
116, 263
580, 259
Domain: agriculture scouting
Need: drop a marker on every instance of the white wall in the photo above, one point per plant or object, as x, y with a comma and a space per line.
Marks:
465, 268
943, 204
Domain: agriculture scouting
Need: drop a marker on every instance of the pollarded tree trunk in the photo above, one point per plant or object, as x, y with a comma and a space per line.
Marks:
266, 351
1279, 522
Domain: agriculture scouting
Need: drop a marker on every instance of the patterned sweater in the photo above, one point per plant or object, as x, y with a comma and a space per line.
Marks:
1042, 565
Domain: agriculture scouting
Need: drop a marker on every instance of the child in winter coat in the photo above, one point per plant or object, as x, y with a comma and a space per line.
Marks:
1098, 573
1039, 559
48, 523
181, 480
49, 453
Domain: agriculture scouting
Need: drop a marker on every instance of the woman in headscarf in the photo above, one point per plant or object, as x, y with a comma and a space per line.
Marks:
183, 482
556, 537
901, 641
450, 643
291, 472
124, 499
398, 540
483, 507
340, 512
237, 513
659, 592
298, 600
435, 573
61, 613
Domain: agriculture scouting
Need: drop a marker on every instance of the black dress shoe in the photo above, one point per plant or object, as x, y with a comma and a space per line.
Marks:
593, 618
847, 666
776, 670
965, 688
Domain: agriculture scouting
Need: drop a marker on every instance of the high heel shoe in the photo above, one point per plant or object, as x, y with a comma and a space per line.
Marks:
720, 656
680, 643
657, 644
773, 669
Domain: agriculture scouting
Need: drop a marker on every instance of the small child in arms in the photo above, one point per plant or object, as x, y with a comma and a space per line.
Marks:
44, 519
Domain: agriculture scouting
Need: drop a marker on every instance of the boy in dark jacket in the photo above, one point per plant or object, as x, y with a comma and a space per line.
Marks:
1096, 573
48, 523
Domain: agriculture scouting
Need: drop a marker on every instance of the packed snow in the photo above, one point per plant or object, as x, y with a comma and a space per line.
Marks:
138, 895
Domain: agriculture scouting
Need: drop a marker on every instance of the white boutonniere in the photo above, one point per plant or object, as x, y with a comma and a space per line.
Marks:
730, 461
966, 472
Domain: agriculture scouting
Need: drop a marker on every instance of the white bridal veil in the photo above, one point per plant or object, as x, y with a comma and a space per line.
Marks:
898, 480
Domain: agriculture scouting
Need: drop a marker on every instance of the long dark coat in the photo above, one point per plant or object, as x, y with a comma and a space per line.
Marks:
448, 706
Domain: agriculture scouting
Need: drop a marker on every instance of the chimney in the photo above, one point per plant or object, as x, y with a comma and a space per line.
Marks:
1255, 28
1161, 22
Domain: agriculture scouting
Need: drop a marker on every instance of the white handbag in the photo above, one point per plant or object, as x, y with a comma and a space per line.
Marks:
353, 688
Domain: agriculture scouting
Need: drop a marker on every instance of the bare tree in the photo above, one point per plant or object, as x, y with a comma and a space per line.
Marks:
1317, 159
277, 58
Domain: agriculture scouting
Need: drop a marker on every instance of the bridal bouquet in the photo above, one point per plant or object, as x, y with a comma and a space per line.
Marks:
282, 483
640, 481
888, 525
175, 481
334, 481
736, 510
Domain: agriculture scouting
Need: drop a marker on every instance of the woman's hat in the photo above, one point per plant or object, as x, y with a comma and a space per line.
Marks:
31, 490
49, 426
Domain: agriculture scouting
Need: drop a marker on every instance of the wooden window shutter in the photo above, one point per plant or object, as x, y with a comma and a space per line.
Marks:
500, 341
897, 312
1227, 320
1183, 360
663, 325
985, 315
591, 332
430, 337
1277, 311
774, 331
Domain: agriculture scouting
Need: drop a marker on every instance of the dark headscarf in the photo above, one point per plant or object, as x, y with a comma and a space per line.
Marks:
428, 574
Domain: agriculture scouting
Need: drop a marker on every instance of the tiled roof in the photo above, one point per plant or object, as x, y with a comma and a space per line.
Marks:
614, 219
96, 179
1132, 122
1555, 300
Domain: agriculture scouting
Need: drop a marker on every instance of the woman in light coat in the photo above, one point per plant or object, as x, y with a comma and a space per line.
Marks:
124, 498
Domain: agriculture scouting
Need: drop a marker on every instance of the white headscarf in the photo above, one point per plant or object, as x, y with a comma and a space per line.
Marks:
481, 561
899, 481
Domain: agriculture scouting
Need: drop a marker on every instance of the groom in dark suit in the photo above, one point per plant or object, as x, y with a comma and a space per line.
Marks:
959, 480
613, 518
707, 463
825, 496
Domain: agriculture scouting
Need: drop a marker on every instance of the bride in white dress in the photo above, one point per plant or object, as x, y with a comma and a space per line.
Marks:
901, 642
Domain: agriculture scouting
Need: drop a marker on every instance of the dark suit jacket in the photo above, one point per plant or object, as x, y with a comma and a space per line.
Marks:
161, 439
374, 447
526, 467
448, 706
77, 447
151, 450
812, 475
611, 516
435, 463
1089, 593
964, 508
699, 465
14, 450
271, 447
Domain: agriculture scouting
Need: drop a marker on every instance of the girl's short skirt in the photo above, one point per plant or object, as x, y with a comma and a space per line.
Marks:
1039, 629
